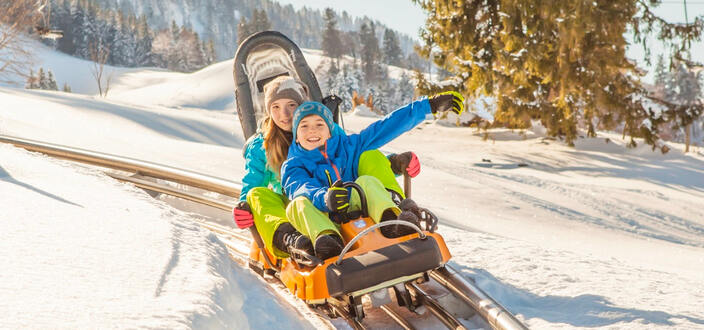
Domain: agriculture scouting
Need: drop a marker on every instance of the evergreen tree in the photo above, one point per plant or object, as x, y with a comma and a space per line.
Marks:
392, 49
51, 83
404, 90
332, 45
42, 82
63, 17
350, 43
243, 30
561, 62
685, 95
369, 52
143, 49
66, 88
260, 21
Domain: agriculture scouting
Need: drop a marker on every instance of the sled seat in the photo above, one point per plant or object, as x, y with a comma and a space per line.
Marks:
378, 266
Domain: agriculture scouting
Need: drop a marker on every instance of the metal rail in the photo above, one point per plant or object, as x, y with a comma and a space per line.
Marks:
193, 179
491, 311
396, 317
434, 307
165, 189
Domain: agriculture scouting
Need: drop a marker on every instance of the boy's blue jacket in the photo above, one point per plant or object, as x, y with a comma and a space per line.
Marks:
257, 171
310, 173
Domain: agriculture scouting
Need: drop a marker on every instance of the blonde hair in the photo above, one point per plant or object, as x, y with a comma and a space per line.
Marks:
276, 143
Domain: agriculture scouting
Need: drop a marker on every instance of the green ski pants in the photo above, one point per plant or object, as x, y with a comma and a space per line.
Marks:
269, 208
312, 222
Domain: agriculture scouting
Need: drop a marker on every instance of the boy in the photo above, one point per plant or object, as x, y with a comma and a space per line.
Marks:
321, 157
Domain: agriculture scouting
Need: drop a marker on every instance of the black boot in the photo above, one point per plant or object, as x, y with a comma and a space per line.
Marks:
287, 238
328, 246
409, 205
394, 231
423, 214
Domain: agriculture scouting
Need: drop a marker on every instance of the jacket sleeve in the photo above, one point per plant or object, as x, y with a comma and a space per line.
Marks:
255, 167
393, 125
297, 182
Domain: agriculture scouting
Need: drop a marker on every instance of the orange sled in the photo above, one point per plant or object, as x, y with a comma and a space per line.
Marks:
369, 263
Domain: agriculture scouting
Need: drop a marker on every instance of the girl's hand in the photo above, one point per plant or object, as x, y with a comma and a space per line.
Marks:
447, 101
243, 215
405, 162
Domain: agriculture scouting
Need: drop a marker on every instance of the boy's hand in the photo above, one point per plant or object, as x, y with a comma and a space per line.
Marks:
337, 198
447, 101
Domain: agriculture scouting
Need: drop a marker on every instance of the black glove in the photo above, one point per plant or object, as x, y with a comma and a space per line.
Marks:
447, 101
337, 199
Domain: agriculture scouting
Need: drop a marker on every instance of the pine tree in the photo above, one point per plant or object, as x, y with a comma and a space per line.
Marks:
561, 62
685, 96
260, 21
66, 88
243, 30
42, 82
51, 83
143, 55
370, 52
392, 50
331, 45
404, 90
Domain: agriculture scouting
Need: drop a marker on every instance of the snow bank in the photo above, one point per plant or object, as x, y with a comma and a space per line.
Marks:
364, 111
82, 250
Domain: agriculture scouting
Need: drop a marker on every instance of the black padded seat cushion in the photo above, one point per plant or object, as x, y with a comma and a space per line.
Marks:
375, 267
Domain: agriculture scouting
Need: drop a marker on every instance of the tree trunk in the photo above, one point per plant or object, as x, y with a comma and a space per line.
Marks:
687, 137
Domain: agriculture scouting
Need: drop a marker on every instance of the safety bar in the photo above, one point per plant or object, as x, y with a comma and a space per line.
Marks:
378, 225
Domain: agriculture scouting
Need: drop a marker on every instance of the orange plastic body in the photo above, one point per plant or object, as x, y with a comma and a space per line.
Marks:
311, 284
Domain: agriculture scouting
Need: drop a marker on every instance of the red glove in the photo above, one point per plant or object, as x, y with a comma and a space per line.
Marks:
413, 166
407, 161
243, 215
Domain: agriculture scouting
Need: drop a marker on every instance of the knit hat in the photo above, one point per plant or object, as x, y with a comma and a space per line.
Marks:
284, 87
311, 108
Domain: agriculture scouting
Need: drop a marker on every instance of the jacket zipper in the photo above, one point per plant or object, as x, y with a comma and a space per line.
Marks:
325, 155
329, 178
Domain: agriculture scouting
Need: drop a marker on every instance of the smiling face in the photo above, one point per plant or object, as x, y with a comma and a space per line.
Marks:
312, 132
281, 112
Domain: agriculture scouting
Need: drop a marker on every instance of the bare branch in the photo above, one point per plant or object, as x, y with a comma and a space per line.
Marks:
99, 54
17, 19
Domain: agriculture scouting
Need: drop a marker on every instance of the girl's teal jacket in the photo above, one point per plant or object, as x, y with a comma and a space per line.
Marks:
310, 173
257, 171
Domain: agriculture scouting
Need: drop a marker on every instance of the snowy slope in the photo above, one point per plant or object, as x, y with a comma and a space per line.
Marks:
80, 250
592, 236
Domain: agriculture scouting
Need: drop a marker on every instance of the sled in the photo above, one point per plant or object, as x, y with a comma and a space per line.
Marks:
370, 265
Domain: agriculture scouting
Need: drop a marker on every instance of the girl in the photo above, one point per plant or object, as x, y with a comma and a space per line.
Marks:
322, 157
261, 202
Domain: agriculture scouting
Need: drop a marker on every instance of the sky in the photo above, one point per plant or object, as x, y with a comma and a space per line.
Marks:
408, 17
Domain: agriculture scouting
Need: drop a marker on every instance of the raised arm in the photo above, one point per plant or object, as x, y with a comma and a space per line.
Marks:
393, 125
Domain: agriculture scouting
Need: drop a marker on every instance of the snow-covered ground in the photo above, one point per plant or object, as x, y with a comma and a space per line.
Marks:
592, 236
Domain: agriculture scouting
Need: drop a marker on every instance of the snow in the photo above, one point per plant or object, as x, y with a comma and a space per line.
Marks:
595, 236
81, 249
363, 111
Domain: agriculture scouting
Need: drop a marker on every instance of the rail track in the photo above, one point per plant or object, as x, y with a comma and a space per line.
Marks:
194, 186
